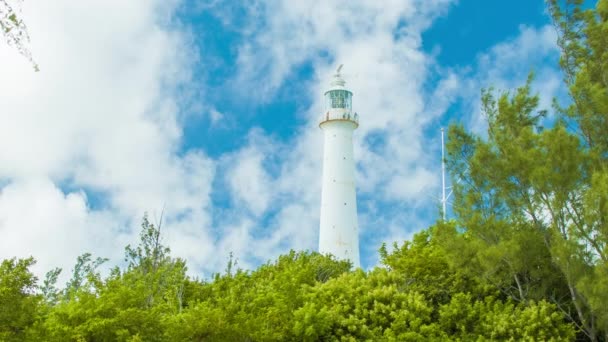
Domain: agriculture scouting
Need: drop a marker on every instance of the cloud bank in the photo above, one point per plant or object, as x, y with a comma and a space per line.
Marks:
96, 138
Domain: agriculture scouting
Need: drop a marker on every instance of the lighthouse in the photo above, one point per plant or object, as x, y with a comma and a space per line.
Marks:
339, 230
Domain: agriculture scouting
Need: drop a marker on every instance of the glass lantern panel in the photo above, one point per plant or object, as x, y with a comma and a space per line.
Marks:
339, 99
347, 101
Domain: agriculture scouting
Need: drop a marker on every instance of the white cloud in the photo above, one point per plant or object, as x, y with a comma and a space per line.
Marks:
38, 219
295, 32
386, 69
102, 117
215, 116
249, 182
102, 120
380, 45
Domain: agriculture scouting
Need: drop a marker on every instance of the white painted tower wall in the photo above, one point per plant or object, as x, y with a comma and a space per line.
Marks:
339, 230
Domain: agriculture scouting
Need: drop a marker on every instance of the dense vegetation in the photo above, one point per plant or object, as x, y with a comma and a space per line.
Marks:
532, 201
418, 295
525, 257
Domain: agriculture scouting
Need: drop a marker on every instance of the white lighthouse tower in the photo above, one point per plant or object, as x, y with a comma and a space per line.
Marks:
339, 231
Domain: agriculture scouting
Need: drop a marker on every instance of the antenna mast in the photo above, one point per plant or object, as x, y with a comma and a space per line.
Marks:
443, 197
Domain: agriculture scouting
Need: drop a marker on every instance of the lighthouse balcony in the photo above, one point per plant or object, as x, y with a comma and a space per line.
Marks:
339, 115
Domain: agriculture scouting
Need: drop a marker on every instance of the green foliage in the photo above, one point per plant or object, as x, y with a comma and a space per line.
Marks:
410, 302
127, 305
424, 266
302, 296
584, 43
530, 201
465, 319
524, 259
365, 306
49, 291
256, 305
520, 203
14, 30
18, 302
85, 277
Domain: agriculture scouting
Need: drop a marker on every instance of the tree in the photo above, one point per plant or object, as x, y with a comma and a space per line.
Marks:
257, 305
151, 266
584, 44
424, 265
48, 289
517, 204
420, 296
365, 306
531, 201
128, 305
14, 30
467, 319
18, 302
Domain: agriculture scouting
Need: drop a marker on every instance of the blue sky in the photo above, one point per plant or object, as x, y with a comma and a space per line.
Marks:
455, 39
208, 110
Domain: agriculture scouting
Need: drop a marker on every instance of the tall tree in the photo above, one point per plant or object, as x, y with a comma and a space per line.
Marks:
129, 304
532, 201
520, 203
583, 39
